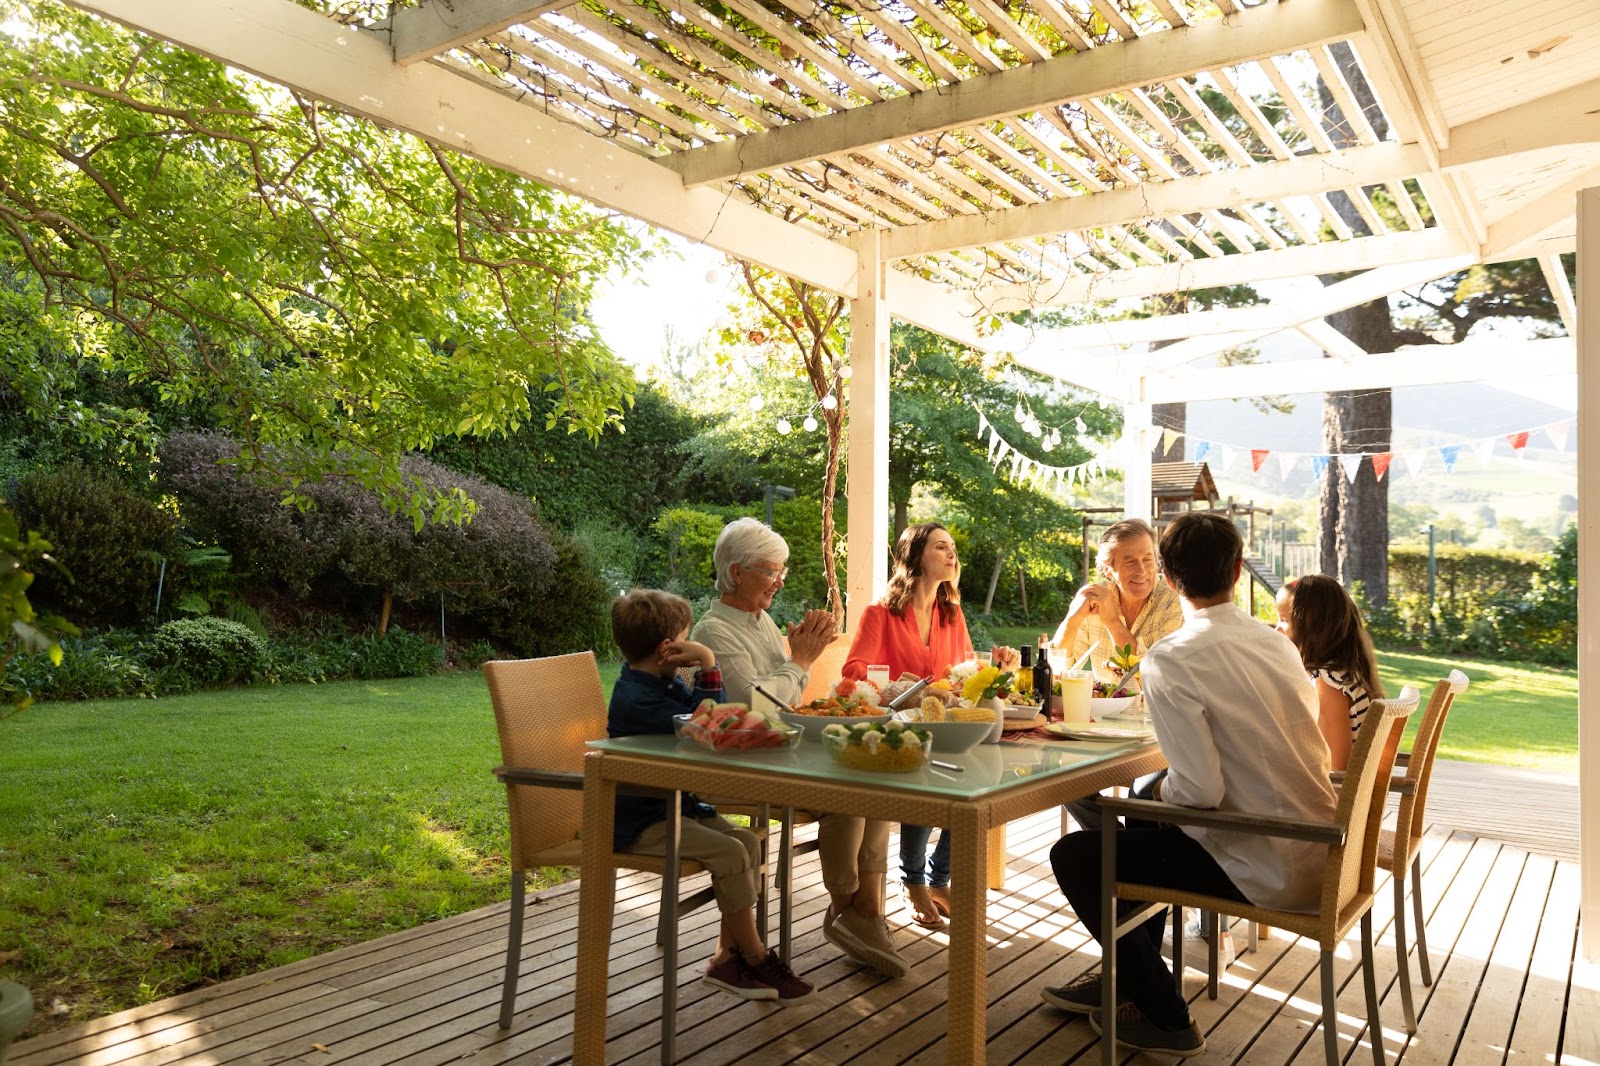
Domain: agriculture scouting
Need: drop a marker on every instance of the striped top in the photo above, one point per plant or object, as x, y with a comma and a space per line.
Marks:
1359, 699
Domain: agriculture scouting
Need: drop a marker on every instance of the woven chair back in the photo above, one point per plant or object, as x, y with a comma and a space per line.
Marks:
1419, 769
825, 671
1350, 865
546, 711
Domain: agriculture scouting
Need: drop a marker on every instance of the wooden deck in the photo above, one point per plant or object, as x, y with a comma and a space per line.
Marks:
1501, 888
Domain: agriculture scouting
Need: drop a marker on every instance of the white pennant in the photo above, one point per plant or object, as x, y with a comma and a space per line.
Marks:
1414, 460
1229, 453
1286, 461
1351, 461
1557, 432
1485, 449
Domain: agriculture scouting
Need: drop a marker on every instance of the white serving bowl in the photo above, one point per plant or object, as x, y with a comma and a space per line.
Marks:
813, 723
1101, 706
955, 738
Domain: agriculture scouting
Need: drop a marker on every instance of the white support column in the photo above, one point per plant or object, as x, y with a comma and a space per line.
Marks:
1588, 304
1137, 444
867, 478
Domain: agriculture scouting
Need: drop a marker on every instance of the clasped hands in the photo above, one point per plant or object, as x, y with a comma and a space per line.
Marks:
809, 636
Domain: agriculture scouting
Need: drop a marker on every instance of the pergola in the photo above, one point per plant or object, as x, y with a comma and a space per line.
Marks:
942, 161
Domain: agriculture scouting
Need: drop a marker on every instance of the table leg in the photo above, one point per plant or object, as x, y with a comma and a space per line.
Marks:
597, 890
968, 974
996, 868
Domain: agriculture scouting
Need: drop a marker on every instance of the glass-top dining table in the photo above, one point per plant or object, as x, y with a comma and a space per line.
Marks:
996, 783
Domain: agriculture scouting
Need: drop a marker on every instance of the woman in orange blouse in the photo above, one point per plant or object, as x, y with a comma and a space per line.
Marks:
918, 628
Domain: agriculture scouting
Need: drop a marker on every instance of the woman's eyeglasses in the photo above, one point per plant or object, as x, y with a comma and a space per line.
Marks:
776, 575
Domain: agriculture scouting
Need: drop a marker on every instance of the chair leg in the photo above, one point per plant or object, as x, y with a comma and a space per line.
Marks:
1177, 948
786, 881
508, 992
1422, 929
667, 934
763, 896
1213, 954
1401, 955
1369, 979
1330, 1011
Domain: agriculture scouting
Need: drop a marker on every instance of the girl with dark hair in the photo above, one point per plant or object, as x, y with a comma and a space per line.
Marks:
1323, 621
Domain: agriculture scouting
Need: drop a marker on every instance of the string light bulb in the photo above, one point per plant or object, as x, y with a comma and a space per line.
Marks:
784, 428
830, 401
757, 402
810, 424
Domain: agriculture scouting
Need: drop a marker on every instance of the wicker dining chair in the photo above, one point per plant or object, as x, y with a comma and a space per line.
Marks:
1400, 849
546, 711
1347, 886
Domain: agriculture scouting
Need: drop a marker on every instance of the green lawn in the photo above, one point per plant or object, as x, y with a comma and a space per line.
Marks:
152, 846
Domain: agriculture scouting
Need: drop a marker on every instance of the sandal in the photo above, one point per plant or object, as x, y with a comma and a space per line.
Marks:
924, 909
942, 900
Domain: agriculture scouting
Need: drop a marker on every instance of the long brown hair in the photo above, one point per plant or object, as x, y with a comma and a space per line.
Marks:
1329, 632
908, 568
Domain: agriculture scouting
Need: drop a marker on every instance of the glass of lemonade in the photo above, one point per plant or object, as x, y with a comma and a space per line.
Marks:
878, 674
1077, 686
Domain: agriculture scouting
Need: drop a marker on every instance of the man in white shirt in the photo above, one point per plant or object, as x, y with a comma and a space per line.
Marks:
1237, 722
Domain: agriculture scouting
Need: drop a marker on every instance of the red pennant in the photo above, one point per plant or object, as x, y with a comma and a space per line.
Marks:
1258, 456
1518, 441
1380, 464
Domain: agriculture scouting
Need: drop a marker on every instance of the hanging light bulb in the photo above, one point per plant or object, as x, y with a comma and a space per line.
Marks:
1080, 424
1020, 413
810, 424
1055, 438
830, 401
757, 402
713, 276
845, 371
1048, 444
784, 428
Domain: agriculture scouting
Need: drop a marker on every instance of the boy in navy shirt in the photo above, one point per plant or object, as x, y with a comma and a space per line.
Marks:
652, 629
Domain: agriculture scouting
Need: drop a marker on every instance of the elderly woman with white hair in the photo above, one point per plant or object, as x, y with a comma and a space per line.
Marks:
854, 852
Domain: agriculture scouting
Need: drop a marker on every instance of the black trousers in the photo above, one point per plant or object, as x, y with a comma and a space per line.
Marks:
1164, 856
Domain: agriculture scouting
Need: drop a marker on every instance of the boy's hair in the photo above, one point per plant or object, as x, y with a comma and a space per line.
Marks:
1200, 551
1330, 634
643, 618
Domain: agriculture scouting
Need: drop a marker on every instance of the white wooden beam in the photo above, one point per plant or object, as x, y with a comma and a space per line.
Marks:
434, 26
1395, 67
1571, 116
867, 475
1588, 345
1555, 276
1330, 257
1138, 443
1306, 175
1472, 360
1158, 57
353, 70
1516, 236
1330, 340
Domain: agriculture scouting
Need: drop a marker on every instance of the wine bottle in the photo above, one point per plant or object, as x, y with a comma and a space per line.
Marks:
1042, 679
1024, 679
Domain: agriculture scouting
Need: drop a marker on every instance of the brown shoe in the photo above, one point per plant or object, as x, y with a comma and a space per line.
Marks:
867, 940
734, 975
789, 990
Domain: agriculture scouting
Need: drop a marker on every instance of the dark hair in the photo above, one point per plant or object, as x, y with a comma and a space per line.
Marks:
643, 618
1200, 552
908, 567
1329, 632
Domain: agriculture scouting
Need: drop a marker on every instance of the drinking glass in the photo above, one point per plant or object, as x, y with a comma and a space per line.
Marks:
878, 674
1077, 686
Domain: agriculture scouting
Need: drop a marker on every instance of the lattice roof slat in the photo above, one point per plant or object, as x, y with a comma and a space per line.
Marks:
952, 30
1026, 45
1408, 208
1360, 131
804, 46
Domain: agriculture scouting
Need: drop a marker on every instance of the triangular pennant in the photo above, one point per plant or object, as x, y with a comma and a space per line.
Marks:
1557, 432
1319, 466
1380, 464
1286, 461
1450, 454
1485, 450
1518, 441
1351, 461
1414, 461
1257, 457
1168, 437
1228, 454
1202, 448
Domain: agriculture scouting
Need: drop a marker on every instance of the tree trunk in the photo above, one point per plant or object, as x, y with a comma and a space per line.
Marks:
1022, 590
1174, 416
1354, 541
834, 420
900, 518
994, 578
383, 613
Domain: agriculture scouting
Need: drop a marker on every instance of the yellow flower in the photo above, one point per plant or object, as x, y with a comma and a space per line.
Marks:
972, 691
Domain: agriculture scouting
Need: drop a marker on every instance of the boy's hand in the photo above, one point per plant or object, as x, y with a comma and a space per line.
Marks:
678, 653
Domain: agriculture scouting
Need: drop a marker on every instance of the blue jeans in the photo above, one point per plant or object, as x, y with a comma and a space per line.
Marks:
915, 868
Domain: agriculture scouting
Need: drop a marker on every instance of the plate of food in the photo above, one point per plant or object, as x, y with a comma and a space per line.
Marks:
734, 727
1098, 731
1019, 707
845, 710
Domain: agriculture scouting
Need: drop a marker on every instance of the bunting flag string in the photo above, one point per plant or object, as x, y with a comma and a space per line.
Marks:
1222, 455
1027, 471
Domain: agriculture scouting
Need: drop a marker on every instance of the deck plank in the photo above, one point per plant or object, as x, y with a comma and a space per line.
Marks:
1501, 887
